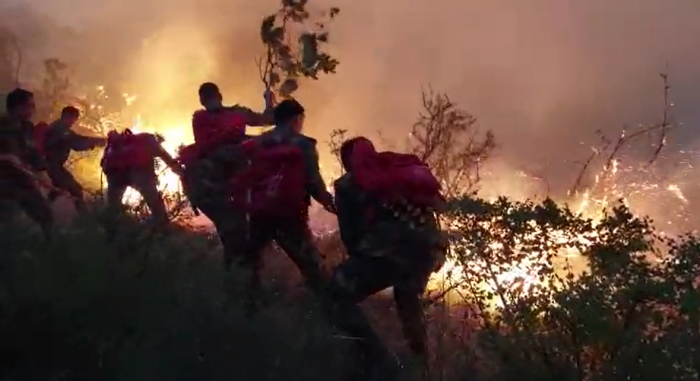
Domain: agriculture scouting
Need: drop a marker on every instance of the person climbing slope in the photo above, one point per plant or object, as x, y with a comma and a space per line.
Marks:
59, 140
213, 158
274, 191
386, 204
129, 161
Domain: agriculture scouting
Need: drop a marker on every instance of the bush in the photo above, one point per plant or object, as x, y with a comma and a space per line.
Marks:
74, 311
631, 313
543, 294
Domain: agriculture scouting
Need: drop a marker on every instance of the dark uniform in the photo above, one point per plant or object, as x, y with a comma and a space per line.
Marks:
19, 157
144, 181
387, 247
60, 140
292, 235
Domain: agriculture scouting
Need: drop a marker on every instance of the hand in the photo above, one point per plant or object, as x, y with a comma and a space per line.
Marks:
330, 207
269, 97
178, 170
44, 179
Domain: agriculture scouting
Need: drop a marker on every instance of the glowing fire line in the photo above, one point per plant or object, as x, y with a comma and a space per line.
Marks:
523, 275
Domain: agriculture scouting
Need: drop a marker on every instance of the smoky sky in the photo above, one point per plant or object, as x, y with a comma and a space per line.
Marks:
542, 74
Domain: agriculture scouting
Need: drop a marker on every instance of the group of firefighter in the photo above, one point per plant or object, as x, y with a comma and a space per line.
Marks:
256, 190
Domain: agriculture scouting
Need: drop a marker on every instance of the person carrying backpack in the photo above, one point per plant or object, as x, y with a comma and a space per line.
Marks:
274, 192
212, 159
386, 204
57, 142
129, 161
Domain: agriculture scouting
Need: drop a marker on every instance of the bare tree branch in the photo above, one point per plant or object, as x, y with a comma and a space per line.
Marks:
624, 139
448, 139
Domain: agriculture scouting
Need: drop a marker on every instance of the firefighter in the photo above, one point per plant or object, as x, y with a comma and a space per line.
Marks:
129, 161
212, 159
58, 143
22, 167
283, 218
389, 244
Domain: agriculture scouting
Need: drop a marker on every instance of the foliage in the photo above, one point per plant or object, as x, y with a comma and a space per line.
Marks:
100, 109
335, 141
10, 61
630, 312
449, 140
294, 38
627, 308
444, 136
74, 310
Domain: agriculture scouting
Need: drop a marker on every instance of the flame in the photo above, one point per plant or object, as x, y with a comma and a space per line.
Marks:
174, 136
523, 276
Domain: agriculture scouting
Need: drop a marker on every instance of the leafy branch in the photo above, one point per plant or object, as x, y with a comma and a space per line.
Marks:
294, 39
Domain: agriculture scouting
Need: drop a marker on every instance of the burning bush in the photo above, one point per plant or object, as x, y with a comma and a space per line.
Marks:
74, 310
628, 311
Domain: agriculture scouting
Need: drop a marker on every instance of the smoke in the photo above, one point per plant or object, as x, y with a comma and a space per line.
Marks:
542, 74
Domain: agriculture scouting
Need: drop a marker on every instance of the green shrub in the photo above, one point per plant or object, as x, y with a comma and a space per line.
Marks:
161, 307
631, 313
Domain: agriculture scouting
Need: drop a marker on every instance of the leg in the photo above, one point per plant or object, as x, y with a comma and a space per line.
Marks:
246, 253
115, 192
147, 185
296, 240
63, 179
37, 207
353, 281
408, 294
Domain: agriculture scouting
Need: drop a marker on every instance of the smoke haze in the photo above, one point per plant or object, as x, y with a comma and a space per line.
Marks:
542, 74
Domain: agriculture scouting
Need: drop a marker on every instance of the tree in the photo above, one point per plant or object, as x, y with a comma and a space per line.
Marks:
631, 312
610, 149
448, 139
10, 61
294, 39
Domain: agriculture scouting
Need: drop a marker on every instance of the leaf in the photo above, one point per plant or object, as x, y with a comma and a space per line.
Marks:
289, 86
273, 78
266, 27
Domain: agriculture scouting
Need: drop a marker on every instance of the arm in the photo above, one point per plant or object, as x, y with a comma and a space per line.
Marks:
349, 221
34, 158
316, 187
256, 119
84, 143
161, 153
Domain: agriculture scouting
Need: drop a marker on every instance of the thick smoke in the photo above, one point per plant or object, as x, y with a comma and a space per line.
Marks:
542, 74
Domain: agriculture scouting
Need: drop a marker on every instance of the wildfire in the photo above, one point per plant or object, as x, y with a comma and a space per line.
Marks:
521, 276
174, 136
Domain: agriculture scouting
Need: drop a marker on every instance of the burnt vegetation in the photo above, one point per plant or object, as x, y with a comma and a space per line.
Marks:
584, 301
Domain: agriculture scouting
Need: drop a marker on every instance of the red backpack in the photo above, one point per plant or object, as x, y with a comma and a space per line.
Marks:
395, 177
273, 185
40, 132
126, 151
212, 130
